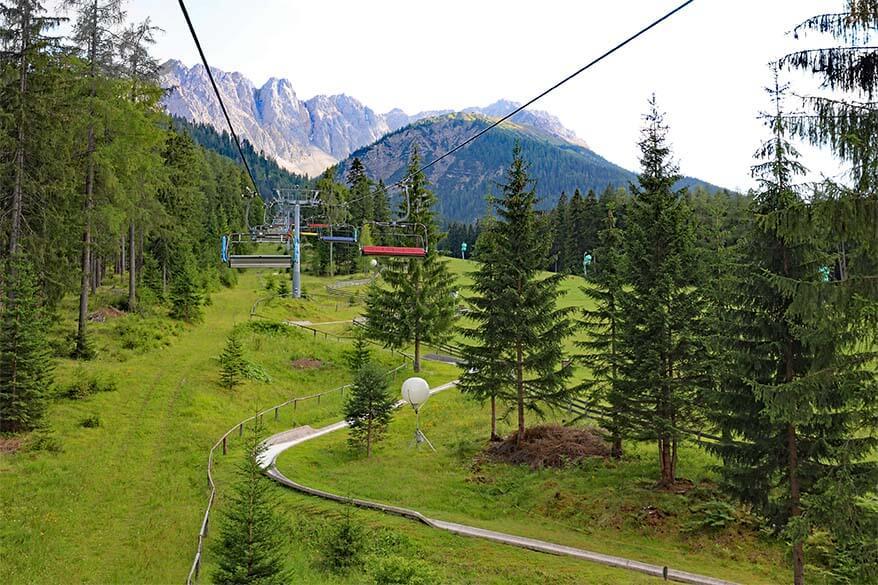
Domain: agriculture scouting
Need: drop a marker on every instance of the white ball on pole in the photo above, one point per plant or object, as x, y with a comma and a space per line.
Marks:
415, 391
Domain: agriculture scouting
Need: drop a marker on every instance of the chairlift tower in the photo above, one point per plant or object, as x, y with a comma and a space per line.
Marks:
291, 201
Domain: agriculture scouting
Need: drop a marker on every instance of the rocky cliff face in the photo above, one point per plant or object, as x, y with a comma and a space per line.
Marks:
305, 136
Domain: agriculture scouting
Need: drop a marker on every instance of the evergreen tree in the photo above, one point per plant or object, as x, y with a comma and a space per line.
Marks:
560, 228
360, 206
662, 320
520, 331
359, 356
232, 362
415, 306
25, 47
93, 34
604, 351
368, 408
186, 292
576, 233
250, 543
25, 362
380, 211
800, 389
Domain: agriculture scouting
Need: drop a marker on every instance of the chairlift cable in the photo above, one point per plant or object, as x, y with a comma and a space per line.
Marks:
216, 91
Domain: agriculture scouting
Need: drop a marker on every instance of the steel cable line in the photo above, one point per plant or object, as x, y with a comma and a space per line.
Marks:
522, 107
218, 96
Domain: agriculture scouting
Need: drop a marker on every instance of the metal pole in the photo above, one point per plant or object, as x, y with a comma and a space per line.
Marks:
297, 260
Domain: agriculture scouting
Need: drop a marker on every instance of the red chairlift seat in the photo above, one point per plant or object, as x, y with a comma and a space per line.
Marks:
393, 251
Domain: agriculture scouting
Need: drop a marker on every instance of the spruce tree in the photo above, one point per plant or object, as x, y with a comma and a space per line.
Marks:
186, 291
232, 363
604, 352
662, 320
25, 358
414, 306
560, 229
800, 387
249, 548
359, 356
518, 340
368, 408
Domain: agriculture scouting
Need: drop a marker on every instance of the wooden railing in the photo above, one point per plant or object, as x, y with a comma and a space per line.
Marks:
222, 444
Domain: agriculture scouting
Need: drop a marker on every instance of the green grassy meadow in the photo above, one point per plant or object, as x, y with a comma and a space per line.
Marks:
122, 501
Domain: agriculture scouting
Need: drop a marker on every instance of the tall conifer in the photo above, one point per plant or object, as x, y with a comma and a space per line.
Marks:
661, 325
251, 537
518, 341
604, 352
416, 306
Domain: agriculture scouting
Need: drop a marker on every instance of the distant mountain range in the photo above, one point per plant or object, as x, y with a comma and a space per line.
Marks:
463, 179
306, 136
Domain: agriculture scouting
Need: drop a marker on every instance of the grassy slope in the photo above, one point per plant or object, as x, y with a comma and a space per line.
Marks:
123, 502
601, 507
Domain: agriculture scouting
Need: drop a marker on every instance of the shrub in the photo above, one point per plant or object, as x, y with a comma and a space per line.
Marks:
397, 570
44, 440
343, 544
143, 334
91, 422
84, 386
711, 515
269, 328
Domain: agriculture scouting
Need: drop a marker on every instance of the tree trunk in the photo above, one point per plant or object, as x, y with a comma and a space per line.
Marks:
132, 271
18, 186
88, 204
494, 436
369, 438
417, 365
519, 387
795, 508
616, 449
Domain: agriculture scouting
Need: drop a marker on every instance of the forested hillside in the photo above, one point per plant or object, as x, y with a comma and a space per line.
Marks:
464, 179
268, 174
100, 181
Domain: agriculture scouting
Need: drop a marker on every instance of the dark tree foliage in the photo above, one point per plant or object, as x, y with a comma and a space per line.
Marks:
368, 408
662, 305
269, 175
604, 352
414, 305
25, 359
799, 389
359, 355
233, 365
518, 339
249, 548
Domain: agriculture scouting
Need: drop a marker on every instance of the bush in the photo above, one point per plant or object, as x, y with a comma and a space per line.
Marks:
269, 328
44, 440
712, 515
91, 422
83, 386
143, 334
343, 545
397, 570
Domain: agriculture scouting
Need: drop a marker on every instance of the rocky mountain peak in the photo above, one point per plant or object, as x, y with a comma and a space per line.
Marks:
305, 136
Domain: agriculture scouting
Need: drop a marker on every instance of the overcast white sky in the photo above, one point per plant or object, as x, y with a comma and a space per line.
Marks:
707, 65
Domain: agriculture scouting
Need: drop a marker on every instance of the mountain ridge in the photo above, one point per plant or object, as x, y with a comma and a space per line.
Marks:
464, 179
305, 136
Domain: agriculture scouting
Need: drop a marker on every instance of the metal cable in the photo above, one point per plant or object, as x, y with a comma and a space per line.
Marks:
218, 96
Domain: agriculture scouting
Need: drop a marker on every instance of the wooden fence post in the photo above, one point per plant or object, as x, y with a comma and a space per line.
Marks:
275, 414
318, 399
224, 445
241, 430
